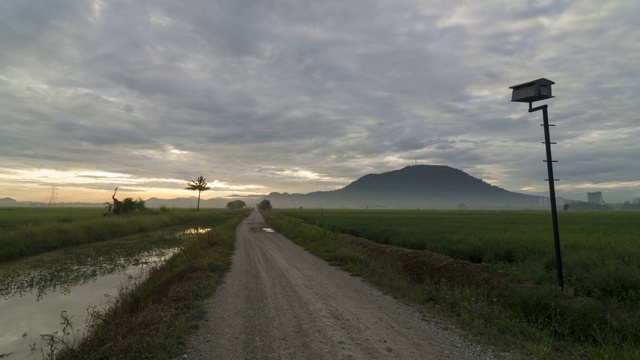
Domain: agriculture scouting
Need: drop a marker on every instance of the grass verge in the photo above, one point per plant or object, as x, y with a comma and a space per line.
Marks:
153, 320
537, 320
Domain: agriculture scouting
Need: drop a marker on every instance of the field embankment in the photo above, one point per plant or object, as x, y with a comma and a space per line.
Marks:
493, 273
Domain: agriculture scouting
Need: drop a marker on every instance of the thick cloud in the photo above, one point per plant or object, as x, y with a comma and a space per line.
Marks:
298, 96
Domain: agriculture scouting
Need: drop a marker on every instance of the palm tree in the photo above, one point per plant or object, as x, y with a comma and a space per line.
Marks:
200, 184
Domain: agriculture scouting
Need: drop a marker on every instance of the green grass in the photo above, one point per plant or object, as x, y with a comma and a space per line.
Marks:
600, 253
29, 231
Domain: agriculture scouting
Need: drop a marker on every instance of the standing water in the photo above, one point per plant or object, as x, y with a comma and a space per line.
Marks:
38, 293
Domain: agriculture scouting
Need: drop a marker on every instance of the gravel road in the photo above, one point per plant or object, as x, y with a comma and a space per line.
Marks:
280, 302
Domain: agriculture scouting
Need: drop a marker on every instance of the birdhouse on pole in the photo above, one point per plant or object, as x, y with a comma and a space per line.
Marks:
532, 91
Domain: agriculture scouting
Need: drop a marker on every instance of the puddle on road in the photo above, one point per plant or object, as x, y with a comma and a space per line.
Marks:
269, 230
34, 291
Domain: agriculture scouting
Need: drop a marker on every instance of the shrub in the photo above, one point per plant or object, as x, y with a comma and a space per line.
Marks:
125, 207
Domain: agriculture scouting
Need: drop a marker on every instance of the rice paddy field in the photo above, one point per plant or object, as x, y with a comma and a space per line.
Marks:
499, 270
72, 279
26, 231
12, 217
600, 250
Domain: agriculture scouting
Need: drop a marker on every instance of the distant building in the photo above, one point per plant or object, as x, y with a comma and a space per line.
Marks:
545, 202
595, 197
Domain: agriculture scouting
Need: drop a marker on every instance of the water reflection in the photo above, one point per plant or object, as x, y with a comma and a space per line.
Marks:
193, 231
66, 273
34, 291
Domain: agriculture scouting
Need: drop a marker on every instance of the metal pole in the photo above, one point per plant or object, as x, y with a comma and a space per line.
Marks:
552, 191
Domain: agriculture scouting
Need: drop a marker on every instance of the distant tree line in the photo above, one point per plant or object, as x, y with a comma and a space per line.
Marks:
587, 206
628, 205
583, 206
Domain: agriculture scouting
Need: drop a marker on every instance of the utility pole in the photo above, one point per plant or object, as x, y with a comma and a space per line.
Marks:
534, 91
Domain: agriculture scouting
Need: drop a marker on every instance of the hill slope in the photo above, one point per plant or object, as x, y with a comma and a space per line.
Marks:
418, 186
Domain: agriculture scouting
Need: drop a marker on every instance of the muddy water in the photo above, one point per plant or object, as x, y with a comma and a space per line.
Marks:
34, 292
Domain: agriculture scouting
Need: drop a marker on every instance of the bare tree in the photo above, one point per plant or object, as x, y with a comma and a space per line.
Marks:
116, 202
199, 184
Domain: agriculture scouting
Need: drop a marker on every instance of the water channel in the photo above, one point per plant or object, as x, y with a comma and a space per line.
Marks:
34, 292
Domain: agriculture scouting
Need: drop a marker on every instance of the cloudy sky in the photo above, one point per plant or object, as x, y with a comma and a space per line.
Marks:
299, 96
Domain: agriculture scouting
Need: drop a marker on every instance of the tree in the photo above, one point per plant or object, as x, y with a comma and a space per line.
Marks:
264, 205
237, 204
628, 205
116, 202
200, 184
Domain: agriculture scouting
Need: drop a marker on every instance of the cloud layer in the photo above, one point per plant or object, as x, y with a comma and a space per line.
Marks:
298, 96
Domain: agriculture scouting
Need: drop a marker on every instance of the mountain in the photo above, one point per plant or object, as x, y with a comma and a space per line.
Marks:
417, 186
191, 202
8, 202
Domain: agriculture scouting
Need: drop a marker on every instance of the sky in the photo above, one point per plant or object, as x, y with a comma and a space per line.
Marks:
299, 96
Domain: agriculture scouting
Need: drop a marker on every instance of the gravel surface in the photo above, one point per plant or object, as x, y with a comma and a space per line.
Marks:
280, 302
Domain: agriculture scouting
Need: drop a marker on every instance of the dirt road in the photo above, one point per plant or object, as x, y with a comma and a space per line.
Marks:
280, 302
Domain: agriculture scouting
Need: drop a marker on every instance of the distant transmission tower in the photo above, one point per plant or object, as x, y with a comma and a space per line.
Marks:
54, 195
